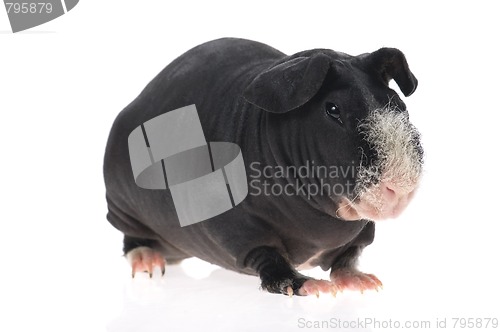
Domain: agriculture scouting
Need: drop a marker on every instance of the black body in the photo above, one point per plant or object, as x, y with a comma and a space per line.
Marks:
264, 235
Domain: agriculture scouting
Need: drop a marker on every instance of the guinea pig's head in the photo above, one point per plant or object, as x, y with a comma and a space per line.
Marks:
336, 114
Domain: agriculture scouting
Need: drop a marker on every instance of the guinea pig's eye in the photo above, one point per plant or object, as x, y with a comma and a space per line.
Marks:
333, 111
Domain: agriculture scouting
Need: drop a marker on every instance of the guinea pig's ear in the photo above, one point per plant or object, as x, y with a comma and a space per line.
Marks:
287, 85
390, 63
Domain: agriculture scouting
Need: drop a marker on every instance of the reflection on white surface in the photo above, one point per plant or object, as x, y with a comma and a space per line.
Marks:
223, 301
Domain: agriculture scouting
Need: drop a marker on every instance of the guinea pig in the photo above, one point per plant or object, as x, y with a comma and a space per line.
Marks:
328, 150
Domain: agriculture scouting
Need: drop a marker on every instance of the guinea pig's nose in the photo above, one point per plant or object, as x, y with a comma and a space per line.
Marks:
394, 198
388, 191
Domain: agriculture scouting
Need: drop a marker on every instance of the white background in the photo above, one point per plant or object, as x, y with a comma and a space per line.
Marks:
62, 84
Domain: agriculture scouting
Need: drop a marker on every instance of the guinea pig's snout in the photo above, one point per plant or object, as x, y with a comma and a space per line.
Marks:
385, 186
388, 191
394, 198
382, 201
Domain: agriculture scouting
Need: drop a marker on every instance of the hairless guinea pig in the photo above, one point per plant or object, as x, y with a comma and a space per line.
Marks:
326, 149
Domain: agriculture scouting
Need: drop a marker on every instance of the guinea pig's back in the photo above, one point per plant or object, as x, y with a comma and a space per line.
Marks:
210, 76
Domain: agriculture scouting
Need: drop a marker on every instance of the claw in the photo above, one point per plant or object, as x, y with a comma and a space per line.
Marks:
289, 291
134, 268
150, 268
355, 280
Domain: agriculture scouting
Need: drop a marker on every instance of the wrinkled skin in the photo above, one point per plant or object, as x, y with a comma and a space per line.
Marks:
282, 111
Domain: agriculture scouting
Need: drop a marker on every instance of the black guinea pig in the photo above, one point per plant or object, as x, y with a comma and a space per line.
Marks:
328, 149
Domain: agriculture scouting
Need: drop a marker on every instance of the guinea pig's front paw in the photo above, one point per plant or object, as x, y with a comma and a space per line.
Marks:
353, 279
315, 287
145, 259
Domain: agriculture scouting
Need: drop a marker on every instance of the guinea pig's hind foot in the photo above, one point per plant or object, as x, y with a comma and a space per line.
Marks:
352, 279
145, 259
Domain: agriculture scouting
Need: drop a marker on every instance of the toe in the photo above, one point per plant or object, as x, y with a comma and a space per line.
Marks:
355, 280
316, 287
144, 259
375, 280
